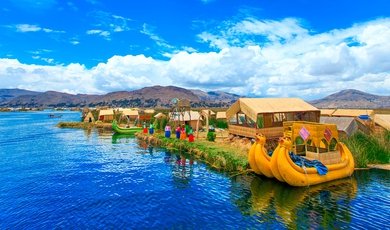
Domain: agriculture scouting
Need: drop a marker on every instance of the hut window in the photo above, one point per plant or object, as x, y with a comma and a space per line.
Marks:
278, 119
260, 121
233, 120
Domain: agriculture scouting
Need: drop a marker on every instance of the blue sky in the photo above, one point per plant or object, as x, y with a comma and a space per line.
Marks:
270, 48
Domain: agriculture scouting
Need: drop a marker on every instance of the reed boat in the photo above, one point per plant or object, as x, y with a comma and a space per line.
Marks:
128, 131
313, 141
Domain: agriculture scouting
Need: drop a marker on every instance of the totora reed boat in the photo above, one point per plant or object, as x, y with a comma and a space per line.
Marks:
308, 154
128, 131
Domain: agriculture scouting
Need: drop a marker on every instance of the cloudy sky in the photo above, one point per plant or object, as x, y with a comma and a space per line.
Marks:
261, 48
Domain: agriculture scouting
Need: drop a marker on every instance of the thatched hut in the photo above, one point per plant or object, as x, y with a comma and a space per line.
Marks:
248, 116
106, 115
89, 117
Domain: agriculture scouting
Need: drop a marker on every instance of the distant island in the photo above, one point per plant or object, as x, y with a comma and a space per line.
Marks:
161, 96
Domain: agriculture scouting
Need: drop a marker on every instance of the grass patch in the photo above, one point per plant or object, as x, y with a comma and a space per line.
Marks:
369, 149
217, 156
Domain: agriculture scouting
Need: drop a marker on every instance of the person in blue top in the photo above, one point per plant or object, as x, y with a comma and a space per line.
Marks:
151, 129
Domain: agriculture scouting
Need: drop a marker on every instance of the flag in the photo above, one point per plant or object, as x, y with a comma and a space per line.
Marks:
328, 134
304, 133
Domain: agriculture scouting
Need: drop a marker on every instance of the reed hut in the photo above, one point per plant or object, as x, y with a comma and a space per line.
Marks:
190, 118
89, 117
106, 115
221, 116
382, 122
346, 126
248, 116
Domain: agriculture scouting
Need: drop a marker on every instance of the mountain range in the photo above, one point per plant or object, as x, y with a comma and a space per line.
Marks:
155, 96
161, 96
352, 99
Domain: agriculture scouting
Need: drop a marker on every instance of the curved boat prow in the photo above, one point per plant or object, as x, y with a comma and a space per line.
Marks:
263, 160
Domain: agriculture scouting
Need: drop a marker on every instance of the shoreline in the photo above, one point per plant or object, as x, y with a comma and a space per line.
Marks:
217, 157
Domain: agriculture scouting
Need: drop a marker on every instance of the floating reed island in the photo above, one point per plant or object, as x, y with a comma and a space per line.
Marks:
221, 156
85, 125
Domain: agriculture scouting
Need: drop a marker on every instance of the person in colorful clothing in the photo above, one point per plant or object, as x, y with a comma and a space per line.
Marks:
168, 131
178, 129
190, 135
151, 129
183, 134
145, 128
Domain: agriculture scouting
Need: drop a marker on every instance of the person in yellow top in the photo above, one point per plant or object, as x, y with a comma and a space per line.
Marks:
183, 134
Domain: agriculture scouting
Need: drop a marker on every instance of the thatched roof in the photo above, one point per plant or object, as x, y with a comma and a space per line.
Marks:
221, 115
352, 112
105, 112
383, 120
149, 111
194, 116
159, 115
129, 112
253, 106
208, 111
345, 124
327, 112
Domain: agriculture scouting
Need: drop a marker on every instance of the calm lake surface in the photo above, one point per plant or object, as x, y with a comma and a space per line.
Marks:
71, 178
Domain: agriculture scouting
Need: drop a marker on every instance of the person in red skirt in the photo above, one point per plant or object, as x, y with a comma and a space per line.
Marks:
191, 135
145, 130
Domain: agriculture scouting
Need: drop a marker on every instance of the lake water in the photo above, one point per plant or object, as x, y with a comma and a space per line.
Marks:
71, 178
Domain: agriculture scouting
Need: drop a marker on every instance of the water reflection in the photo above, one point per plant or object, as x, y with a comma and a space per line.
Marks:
321, 206
182, 168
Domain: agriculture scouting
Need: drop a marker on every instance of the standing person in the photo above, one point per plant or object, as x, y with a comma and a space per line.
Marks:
183, 134
145, 128
168, 131
178, 132
151, 128
190, 135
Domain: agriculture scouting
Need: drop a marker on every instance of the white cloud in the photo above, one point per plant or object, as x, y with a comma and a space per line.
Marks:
295, 62
24, 28
27, 28
149, 31
102, 33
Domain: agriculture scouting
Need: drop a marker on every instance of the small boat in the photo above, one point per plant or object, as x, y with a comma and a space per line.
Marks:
52, 115
128, 131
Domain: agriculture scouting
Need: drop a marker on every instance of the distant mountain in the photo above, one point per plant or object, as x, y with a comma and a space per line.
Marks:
9, 94
155, 96
353, 99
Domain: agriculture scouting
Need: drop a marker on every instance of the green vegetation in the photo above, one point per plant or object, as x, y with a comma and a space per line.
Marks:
369, 149
211, 136
218, 157
84, 125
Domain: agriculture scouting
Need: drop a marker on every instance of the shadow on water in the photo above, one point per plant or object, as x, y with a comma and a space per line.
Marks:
320, 206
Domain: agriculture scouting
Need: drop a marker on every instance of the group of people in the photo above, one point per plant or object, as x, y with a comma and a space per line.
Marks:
151, 128
182, 132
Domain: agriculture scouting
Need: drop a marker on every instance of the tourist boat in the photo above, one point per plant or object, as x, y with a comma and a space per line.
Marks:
258, 158
128, 131
316, 142
52, 115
